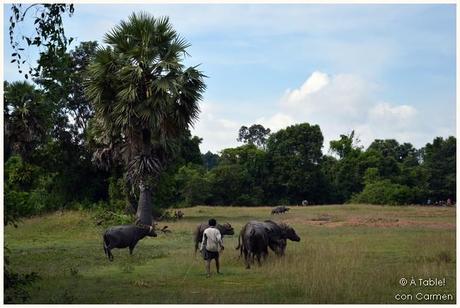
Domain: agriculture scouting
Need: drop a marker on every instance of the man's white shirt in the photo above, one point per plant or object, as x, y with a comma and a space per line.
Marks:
212, 239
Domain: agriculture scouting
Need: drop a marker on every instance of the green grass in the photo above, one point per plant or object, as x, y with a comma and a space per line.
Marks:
353, 254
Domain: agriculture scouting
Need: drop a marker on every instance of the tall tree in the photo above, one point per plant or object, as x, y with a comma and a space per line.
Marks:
144, 98
295, 154
67, 154
255, 134
346, 145
439, 160
25, 113
210, 160
62, 81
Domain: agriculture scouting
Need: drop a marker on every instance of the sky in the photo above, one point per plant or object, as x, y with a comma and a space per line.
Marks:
382, 70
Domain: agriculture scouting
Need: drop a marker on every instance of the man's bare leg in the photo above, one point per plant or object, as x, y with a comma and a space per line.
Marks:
217, 265
208, 268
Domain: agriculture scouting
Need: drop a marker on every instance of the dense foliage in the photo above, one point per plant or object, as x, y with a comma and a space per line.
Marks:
50, 168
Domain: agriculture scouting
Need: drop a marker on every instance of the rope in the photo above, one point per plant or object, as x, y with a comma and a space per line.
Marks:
146, 227
188, 270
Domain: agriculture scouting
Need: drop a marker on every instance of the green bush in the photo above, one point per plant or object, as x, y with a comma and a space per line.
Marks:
193, 185
105, 218
117, 193
385, 192
28, 189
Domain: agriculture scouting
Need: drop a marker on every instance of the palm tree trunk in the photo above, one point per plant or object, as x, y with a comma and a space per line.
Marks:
144, 209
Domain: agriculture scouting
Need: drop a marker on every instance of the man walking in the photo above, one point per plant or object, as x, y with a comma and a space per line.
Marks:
211, 245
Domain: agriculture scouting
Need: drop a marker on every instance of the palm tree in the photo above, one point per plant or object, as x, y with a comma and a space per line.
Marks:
144, 99
26, 117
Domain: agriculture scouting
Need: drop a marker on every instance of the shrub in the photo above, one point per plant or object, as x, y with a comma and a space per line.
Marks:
106, 218
28, 189
193, 185
385, 192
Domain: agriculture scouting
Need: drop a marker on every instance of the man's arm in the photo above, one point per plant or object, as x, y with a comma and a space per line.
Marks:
203, 241
220, 241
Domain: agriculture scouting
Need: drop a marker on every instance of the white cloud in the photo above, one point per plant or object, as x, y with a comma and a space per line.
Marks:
276, 121
389, 112
386, 115
342, 95
313, 84
337, 103
345, 102
217, 132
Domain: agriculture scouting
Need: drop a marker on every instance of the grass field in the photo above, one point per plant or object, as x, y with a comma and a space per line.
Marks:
347, 254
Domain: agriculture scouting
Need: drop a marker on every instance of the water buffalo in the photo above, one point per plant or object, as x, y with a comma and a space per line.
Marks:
280, 210
256, 237
225, 229
179, 214
125, 236
278, 234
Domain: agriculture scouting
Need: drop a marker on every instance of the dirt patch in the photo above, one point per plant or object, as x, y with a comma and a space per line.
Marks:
381, 222
374, 222
326, 220
323, 217
434, 225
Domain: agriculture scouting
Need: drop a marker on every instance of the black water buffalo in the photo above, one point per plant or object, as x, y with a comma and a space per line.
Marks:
225, 229
125, 236
280, 210
256, 237
179, 214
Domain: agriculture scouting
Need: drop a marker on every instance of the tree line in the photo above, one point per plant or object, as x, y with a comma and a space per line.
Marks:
53, 157
290, 167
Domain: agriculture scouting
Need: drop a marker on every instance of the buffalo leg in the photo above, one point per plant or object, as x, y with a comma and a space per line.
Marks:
131, 248
109, 254
258, 260
246, 258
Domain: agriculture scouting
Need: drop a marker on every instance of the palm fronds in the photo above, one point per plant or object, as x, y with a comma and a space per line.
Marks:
138, 83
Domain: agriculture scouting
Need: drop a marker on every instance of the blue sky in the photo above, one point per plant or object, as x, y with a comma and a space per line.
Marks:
385, 71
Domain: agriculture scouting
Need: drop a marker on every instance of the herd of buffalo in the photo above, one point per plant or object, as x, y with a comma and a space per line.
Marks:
254, 240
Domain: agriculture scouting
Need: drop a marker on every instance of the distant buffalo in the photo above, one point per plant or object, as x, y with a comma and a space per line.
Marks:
125, 236
280, 210
225, 229
179, 214
256, 237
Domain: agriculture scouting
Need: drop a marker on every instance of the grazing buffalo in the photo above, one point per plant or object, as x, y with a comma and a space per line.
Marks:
225, 229
179, 214
280, 210
125, 236
256, 237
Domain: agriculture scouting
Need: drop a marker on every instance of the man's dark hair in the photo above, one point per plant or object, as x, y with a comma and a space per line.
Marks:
212, 222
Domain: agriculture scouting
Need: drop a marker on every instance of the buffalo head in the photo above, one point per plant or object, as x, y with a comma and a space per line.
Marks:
227, 229
151, 232
289, 233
